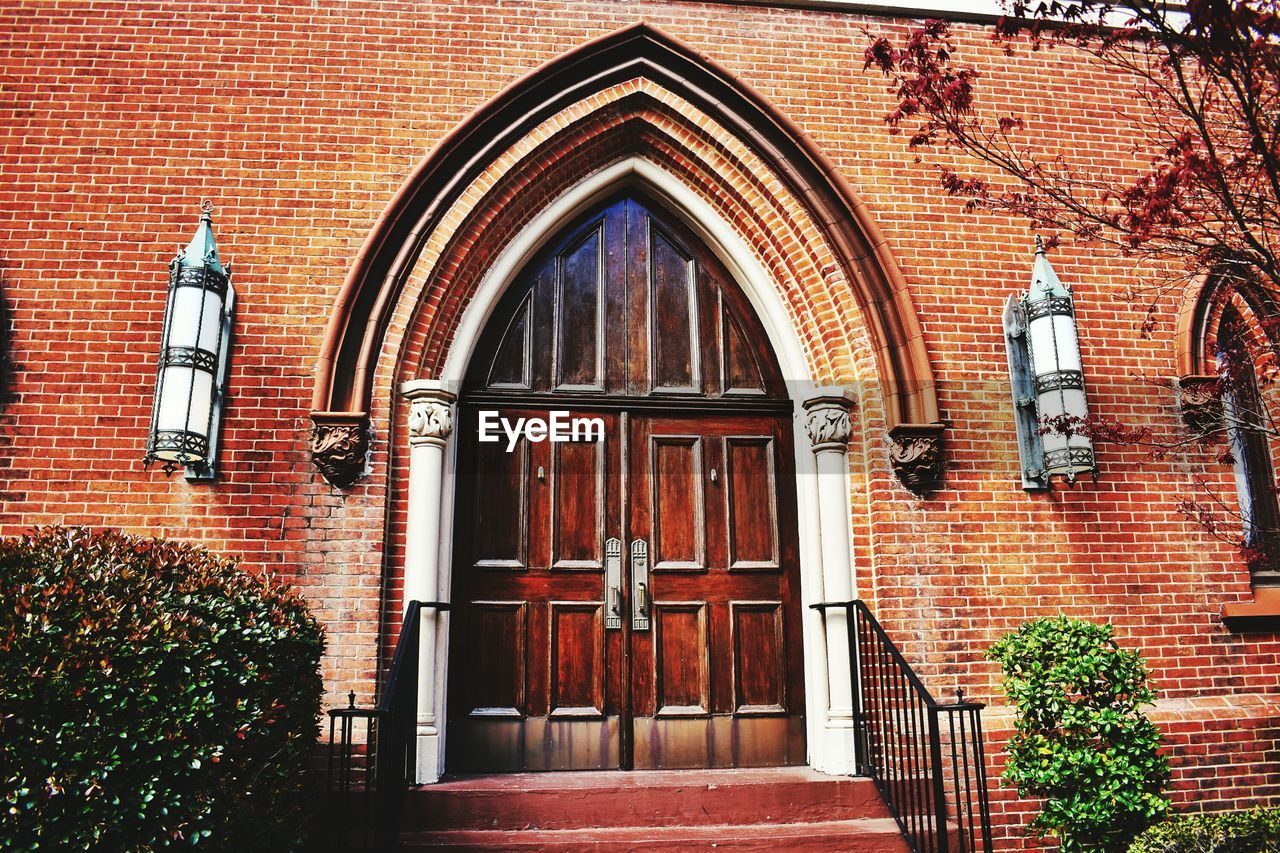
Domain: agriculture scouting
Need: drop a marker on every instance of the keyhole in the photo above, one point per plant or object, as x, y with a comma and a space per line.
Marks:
713, 475
542, 473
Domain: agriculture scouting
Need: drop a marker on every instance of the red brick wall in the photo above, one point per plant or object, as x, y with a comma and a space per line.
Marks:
303, 121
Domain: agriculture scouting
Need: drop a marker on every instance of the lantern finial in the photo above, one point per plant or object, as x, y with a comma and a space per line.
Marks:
1045, 283
202, 251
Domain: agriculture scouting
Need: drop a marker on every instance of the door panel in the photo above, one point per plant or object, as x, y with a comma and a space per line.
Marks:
577, 515
682, 659
675, 356
577, 659
759, 657
530, 678
580, 314
500, 535
751, 493
497, 639
679, 528
716, 682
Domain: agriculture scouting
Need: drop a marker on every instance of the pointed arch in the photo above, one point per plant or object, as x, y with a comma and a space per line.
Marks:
1201, 314
655, 84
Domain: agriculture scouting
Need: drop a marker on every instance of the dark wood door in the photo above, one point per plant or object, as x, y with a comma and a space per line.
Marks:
535, 681
716, 662
629, 320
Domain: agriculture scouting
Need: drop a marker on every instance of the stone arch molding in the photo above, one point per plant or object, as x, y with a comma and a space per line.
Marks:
635, 95
1199, 397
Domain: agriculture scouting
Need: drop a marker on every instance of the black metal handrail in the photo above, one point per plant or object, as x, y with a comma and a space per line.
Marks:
377, 795
899, 735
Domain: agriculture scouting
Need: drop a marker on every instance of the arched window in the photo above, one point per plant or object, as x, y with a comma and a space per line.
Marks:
1250, 427
1228, 361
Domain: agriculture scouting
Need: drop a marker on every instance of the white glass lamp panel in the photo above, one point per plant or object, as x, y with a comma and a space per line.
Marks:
196, 319
1043, 356
1074, 403
180, 384
1054, 345
1080, 441
1064, 327
1049, 405
1235, 439
1053, 440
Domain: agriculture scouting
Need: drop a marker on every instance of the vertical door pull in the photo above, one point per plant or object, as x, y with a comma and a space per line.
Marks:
613, 584
640, 585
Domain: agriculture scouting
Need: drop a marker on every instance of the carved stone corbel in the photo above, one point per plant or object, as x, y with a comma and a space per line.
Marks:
915, 452
340, 445
1200, 401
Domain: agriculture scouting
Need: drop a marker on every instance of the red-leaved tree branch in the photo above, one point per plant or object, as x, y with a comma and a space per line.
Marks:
1206, 81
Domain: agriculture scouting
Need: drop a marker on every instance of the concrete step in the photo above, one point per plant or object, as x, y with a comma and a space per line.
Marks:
644, 799
867, 835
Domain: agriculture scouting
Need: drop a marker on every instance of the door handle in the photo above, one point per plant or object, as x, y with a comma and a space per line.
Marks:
640, 615
613, 585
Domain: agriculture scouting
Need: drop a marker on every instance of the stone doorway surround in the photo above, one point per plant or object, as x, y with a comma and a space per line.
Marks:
822, 434
633, 109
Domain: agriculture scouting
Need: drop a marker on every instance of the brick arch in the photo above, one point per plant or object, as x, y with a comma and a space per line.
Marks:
1196, 339
1198, 320
634, 127
633, 93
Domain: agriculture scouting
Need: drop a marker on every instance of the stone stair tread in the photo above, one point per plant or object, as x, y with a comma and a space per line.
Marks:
564, 801
860, 835
622, 779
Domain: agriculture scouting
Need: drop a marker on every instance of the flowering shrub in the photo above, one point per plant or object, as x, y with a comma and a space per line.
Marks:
152, 695
1081, 742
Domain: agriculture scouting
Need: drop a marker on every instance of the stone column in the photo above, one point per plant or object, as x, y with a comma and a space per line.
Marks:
430, 424
829, 428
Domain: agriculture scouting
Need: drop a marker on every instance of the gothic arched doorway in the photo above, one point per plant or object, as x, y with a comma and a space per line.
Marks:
628, 597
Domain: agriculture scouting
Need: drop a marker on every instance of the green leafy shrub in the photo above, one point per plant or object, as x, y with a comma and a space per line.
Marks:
1233, 832
152, 695
1081, 742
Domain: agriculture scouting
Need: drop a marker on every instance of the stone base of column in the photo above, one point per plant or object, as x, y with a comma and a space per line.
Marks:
429, 767
834, 751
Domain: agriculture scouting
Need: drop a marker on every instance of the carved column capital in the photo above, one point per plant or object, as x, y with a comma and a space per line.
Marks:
915, 451
430, 421
1200, 401
827, 421
339, 445
430, 411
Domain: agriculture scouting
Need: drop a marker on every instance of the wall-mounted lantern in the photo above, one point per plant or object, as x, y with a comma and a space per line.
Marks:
192, 373
1048, 380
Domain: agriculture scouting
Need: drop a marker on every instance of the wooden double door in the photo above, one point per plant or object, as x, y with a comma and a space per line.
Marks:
630, 600
625, 582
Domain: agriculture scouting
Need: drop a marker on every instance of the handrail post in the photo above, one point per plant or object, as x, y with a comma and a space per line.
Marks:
939, 790
853, 624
